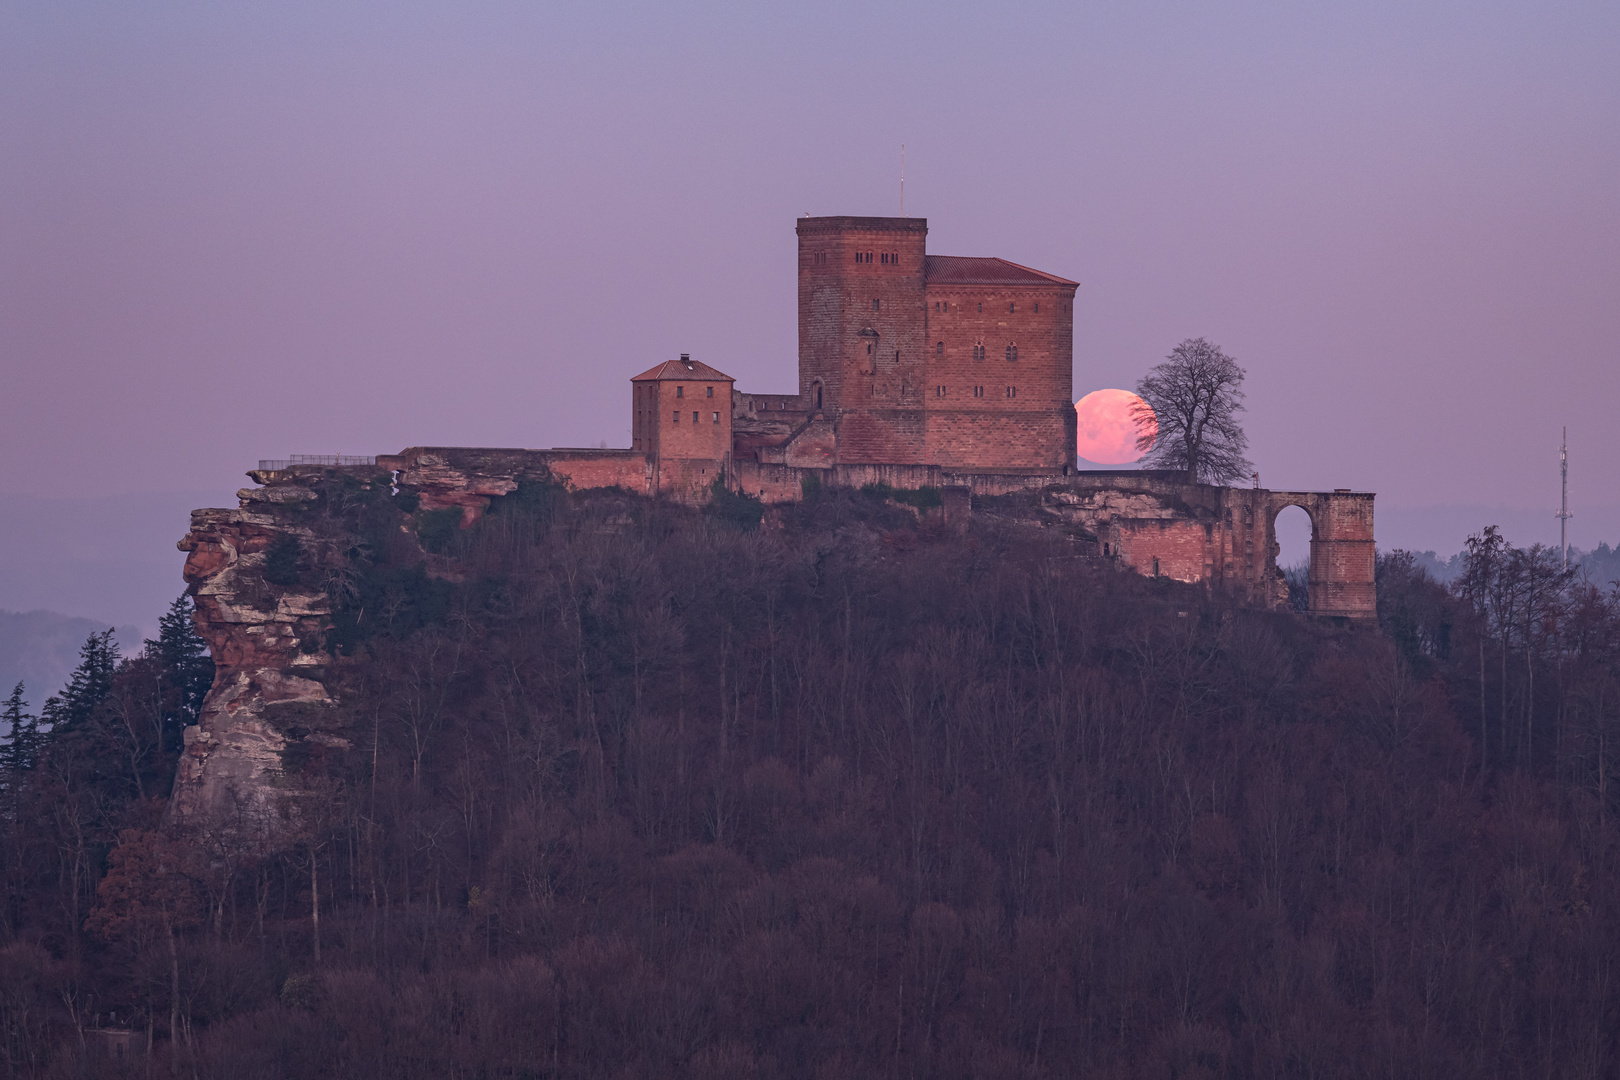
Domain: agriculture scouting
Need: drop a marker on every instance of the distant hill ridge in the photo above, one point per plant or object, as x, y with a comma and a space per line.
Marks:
41, 648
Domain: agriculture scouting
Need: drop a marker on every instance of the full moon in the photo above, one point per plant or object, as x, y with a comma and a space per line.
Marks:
1107, 434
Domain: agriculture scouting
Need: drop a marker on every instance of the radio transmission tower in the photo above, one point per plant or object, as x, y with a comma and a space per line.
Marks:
1563, 508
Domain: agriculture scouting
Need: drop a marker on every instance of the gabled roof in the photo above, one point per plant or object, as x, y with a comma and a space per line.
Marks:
968, 270
684, 371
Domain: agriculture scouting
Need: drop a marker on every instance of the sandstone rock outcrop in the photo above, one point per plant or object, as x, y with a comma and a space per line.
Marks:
259, 635
272, 634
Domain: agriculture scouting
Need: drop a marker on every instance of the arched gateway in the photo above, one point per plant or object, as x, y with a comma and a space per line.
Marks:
1342, 550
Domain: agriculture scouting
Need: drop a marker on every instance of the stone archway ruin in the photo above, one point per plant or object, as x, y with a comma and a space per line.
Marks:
1224, 537
1342, 550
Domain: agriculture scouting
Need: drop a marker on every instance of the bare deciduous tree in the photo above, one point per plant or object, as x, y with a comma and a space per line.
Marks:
1194, 396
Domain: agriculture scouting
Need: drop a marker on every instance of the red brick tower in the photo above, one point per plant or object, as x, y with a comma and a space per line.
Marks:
863, 334
681, 414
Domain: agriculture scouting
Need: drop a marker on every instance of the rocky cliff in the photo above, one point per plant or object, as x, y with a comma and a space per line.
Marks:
282, 584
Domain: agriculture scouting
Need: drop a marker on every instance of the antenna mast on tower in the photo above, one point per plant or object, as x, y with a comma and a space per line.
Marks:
1563, 508
902, 179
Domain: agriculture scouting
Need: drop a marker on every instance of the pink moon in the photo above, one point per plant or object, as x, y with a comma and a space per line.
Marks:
1107, 434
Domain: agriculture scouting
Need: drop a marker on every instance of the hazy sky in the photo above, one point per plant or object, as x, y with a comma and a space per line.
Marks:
241, 230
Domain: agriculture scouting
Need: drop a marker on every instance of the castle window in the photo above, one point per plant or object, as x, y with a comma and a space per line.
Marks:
1155, 566
939, 348
978, 351
1012, 391
897, 356
717, 418
978, 391
1037, 307
939, 391
1011, 308
677, 416
680, 391
694, 416
877, 305
710, 392
981, 307
1012, 353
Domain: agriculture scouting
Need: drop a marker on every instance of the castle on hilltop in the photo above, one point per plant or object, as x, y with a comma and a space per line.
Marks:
950, 377
927, 371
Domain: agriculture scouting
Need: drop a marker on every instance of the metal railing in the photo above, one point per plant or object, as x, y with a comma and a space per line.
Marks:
275, 464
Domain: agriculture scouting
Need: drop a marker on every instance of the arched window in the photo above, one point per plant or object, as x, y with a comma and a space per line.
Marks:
939, 348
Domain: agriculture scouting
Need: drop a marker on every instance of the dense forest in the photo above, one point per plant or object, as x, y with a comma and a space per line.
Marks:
836, 790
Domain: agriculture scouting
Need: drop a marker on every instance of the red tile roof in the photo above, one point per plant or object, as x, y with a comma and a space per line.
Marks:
967, 270
683, 370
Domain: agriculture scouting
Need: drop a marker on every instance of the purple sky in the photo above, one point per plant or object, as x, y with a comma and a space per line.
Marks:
240, 230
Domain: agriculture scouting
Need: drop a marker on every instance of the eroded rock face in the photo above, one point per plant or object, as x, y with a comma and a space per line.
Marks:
271, 628
466, 478
260, 635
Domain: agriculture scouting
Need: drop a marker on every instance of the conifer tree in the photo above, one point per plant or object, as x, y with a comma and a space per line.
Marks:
186, 669
87, 689
21, 747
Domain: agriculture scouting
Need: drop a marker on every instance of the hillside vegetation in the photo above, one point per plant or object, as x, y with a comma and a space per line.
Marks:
617, 788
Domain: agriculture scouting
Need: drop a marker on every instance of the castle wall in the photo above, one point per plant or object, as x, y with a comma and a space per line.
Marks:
582, 469
1153, 522
1168, 547
1001, 438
